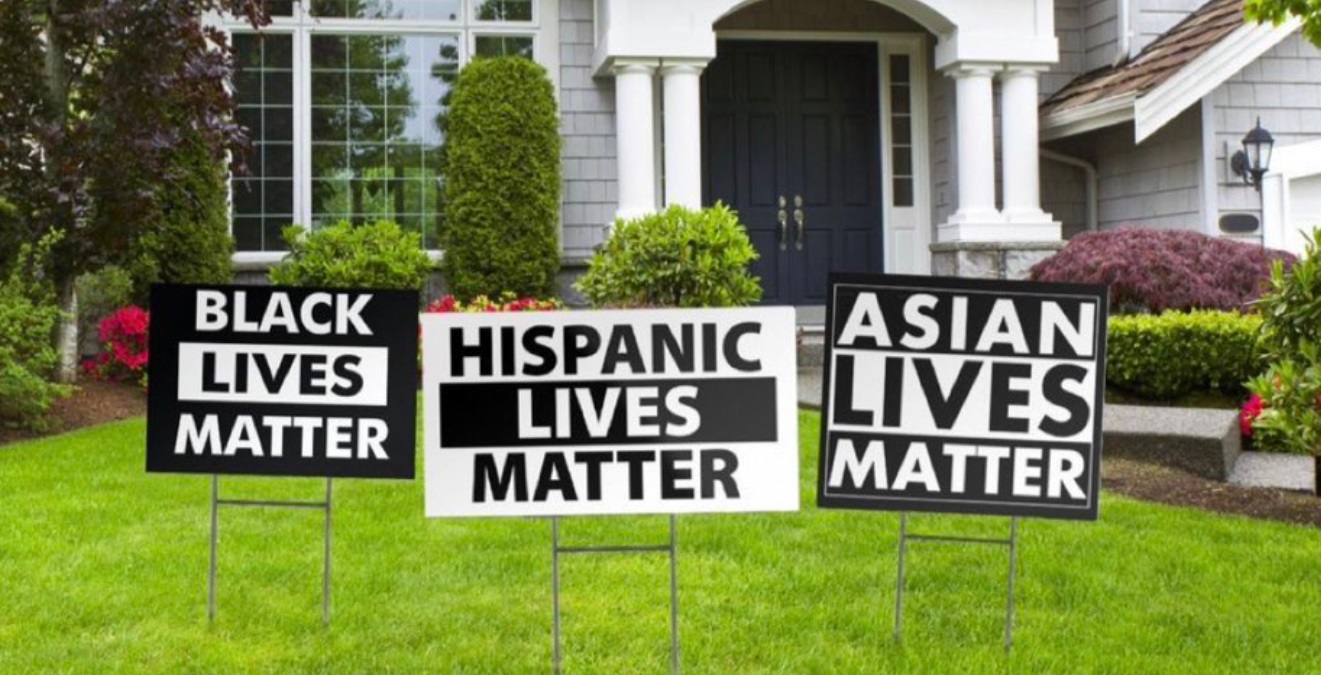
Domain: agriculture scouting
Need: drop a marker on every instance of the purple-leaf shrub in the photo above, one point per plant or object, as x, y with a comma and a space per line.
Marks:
1151, 271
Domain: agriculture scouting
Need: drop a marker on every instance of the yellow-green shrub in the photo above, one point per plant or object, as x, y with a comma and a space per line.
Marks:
1164, 356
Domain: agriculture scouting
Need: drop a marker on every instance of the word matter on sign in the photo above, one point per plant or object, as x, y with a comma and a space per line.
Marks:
963, 396
610, 412
267, 381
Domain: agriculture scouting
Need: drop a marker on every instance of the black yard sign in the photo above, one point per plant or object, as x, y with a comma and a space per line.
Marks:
282, 381
963, 396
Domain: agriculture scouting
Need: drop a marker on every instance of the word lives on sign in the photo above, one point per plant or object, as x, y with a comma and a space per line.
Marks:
282, 381
610, 412
961, 396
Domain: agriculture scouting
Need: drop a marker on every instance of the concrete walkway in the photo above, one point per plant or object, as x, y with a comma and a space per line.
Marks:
1202, 441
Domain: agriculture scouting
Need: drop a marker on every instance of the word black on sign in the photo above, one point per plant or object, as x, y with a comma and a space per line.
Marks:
963, 396
282, 381
641, 411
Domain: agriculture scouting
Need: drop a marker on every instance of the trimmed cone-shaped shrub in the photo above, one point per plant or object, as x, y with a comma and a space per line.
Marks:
1151, 271
189, 242
502, 181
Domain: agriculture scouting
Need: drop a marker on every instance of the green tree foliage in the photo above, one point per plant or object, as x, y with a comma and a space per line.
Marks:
678, 258
502, 181
1279, 11
96, 97
373, 255
28, 314
1291, 339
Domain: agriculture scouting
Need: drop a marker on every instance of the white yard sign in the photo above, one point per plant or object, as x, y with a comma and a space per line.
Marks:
610, 412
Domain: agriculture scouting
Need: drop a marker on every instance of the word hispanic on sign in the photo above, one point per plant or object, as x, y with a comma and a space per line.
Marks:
296, 382
963, 396
610, 412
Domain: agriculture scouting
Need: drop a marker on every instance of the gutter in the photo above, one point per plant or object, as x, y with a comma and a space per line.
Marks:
1124, 33
1089, 170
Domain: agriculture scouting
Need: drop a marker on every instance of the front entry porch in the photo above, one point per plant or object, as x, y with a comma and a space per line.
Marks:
827, 125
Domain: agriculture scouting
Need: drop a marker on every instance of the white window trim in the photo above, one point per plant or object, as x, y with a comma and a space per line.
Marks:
544, 30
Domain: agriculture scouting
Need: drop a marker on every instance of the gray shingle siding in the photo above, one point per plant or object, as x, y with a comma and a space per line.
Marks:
943, 195
1155, 17
587, 123
1100, 33
1073, 51
1155, 184
1283, 88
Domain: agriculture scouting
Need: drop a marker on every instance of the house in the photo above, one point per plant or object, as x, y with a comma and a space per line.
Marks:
916, 136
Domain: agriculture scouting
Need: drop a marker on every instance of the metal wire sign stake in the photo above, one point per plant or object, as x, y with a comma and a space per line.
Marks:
905, 537
265, 381
217, 502
556, 551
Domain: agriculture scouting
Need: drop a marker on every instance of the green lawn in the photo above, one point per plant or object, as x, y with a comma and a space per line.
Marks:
103, 569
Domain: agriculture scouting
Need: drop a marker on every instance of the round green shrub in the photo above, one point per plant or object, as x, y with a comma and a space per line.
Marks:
1290, 389
676, 258
500, 230
372, 255
1165, 356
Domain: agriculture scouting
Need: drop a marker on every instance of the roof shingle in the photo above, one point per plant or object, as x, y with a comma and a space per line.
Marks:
1155, 64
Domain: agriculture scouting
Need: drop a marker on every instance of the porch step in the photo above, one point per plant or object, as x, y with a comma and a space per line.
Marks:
811, 346
1200, 440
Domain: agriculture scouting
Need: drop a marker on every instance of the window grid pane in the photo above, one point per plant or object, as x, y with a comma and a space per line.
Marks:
395, 10
264, 196
487, 46
377, 103
901, 130
502, 10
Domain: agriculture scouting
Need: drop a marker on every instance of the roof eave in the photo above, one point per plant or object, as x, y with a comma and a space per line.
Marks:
1201, 76
1088, 117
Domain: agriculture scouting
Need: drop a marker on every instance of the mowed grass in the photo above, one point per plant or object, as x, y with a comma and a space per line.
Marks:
103, 569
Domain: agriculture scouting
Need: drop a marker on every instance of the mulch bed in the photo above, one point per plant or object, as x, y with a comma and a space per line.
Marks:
95, 402
1154, 483
99, 402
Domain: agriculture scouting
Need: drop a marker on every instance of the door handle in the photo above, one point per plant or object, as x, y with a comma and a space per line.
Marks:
798, 218
783, 217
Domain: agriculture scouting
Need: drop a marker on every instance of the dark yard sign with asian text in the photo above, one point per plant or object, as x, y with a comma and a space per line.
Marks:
282, 381
963, 396
610, 412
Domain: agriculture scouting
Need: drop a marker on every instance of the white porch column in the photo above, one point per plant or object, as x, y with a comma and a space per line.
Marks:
1019, 143
683, 131
974, 109
635, 135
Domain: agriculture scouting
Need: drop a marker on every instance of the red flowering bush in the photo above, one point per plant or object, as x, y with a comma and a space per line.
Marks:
1248, 414
507, 302
123, 354
1151, 271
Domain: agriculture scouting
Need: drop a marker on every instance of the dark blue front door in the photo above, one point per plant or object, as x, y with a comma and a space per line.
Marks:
791, 129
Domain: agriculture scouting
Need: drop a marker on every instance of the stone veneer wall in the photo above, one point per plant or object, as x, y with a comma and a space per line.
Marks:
990, 260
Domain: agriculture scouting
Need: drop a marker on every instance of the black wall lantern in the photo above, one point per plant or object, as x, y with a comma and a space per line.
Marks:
1254, 160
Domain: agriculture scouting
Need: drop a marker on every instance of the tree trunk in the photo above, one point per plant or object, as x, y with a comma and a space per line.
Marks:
66, 334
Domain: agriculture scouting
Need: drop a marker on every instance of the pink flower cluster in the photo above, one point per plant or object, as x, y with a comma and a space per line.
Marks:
507, 302
1249, 414
123, 354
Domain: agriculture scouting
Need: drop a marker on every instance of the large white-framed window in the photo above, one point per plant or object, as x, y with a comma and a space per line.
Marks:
344, 101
